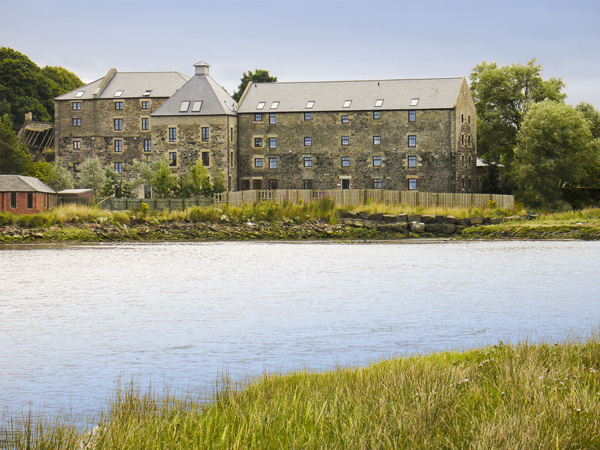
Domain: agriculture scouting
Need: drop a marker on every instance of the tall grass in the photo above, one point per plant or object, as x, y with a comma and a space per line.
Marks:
523, 396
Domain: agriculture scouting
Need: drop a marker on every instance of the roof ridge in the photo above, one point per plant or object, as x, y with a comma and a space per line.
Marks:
356, 81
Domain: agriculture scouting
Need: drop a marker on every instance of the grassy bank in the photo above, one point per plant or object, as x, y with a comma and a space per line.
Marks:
524, 396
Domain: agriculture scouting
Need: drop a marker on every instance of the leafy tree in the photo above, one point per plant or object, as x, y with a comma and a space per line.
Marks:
92, 176
502, 96
219, 183
60, 178
14, 158
196, 182
593, 117
259, 76
116, 185
164, 182
490, 183
555, 155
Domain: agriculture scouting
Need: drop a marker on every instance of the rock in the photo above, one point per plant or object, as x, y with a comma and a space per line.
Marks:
476, 220
376, 217
439, 219
414, 218
370, 225
496, 220
400, 226
351, 214
389, 218
385, 227
463, 222
364, 215
428, 218
433, 227
450, 219
417, 227
448, 228
402, 217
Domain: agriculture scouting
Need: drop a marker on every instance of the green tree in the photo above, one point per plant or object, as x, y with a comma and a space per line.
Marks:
219, 183
259, 76
555, 155
60, 178
92, 176
116, 185
502, 97
593, 117
196, 182
164, 182
14, 158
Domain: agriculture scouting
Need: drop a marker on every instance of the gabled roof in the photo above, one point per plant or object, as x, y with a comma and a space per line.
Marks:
200, 88
131, 85
21, 183
432, 93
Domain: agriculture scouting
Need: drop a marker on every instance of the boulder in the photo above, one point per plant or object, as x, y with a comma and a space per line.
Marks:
351, 214
463, 222
476, 220
450, 219
496, 220
389, 218
376, 217
402, 217
428, 218
400, 226
433, 227
417, 227
439, 219
448, 228
414, 218
385, 227
364, 215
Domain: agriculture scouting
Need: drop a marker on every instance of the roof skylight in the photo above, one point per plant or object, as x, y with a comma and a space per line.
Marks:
185, 105
147, 93
378, 103
414, 102
274, 105
347, 103
197, 106
79, 94
310, 104
118, 93
260, 105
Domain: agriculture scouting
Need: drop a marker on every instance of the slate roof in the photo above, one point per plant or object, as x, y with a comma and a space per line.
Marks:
133, 85
200, 88
433, 93
21, 183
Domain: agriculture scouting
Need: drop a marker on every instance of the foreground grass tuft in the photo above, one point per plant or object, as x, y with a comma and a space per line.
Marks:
525, 396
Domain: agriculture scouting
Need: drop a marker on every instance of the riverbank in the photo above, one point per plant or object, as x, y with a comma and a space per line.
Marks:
542, 396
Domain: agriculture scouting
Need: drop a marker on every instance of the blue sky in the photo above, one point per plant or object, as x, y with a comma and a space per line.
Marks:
311, 40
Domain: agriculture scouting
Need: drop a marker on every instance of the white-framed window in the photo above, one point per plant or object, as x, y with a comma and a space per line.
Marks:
119, 167
272, 142
412, 140
414, 102
260, 105
378, 103
412, 184
145, 105
76, 145
310, 104
376, 140
258, 142
345, 140
272, 163
118, 124
345, 118
76, 122
377, 183
119, 106
412, 115
258, 117
347, 103
172, 159
172, 134
145, 123
345, 161
118, 145
205, 134
76, 106
147, 145
258, 163
118, 94
412, 161
308, 184
79, 94
376, 161
308, 161
376, 114
197, 106
272, 119
274, 105
307, 141
185, 105
307, 116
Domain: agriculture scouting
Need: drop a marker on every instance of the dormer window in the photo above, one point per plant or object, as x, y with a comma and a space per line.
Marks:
379, 103
274, 105
197, 106
185, 105
310, 104
79, 94
147, 93
414, 102
118, 94
260, 105
347, 103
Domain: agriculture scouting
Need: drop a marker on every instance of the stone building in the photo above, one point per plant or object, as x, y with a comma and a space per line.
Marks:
387, 134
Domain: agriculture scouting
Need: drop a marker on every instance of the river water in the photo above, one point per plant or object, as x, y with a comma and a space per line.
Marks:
76, 319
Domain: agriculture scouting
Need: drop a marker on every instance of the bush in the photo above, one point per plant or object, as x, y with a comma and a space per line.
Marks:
7, 218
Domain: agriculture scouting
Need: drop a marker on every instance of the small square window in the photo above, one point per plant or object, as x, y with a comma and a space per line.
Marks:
185, 105
376, 161
376, 140
172, 159
118, 145
347, 103
272, 119
119, 167
76, 106
172, 134
272, 163
412, 115
272, 142
256, 184
345, 140
412, 161
412, 140
258, 117
378, 103
377, 183
258, 162
145, 105
345, 161
118, 124
258, 142
260, 105
310, 104
79, 94
272, 184
308, 161
205, 159
76, 145
118, 106
307, 116
76, 122
308, 184
412, 184
147, 145
205, 134
376, 114
118, 93
345, 119
307, 141
145, 123
414, 102
197, 106
274, 105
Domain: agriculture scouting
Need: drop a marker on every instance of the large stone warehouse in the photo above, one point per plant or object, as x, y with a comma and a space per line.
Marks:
414, 134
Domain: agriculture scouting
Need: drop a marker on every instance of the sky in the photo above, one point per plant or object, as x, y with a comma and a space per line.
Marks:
311, 40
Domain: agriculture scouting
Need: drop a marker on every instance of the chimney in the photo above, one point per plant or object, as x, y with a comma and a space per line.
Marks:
201, 68
28, 117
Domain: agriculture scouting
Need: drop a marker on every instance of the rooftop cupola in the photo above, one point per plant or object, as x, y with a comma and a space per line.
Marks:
201, 68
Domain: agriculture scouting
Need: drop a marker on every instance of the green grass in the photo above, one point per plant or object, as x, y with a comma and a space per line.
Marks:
523, 396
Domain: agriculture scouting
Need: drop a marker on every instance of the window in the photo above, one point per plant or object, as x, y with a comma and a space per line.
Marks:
308, 161
309, 104
30, 200
147, 93
260, 105
118, 144
412, 184
308, 184
345, 119
377, 183
172, 134
345, 161
258, 142
79, 94
118, 94
376, 161
258, 163
145, 123
256, 184
376, 140
376, 114
76, 106
274, 105
147, 145
469, 140
76, 122
412, 161
272, 142
13, 199
462, 117
118, 106
307, 116
205, 134
119, 167
378, 103
185, 105
258, 117
118, 124
347, 103
307, 141
76, 145
272, 163
414, 102
172, 159
145, 105
76, 167
272, 119
412, 140
197, 106
272, 184
468, 119
345, 140
412, 115
205, 159
245, 185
